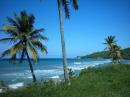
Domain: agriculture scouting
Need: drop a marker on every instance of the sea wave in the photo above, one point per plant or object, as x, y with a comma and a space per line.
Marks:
55, 77
16, 85
82, 65
77, 63
1, 90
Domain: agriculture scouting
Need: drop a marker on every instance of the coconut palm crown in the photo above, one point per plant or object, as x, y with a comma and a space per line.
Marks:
24, 37
66, 5
110, 41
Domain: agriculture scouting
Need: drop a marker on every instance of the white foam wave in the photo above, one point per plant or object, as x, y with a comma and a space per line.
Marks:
16, 85
14, 74
38, 72
49, 72
30, 77
77, 63
1, 90
88, 64
55, 77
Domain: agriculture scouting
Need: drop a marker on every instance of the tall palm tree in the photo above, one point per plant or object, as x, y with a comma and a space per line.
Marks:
65, 4
113, 49
25, 39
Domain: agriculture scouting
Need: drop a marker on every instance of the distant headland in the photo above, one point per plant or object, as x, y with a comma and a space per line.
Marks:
104, 54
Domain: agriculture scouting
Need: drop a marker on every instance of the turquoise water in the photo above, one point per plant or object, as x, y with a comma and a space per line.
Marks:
44, 70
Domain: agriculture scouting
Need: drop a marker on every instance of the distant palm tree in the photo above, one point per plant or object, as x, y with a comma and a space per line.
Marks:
113, 49
115, 53
25, 39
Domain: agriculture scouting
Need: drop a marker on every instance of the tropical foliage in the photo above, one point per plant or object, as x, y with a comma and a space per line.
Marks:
25, 39
113, 49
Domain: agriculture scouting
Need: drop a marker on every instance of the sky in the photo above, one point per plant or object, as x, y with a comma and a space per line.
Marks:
85, 31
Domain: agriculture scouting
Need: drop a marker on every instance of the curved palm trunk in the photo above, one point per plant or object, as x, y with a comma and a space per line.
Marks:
31, 67
66, 76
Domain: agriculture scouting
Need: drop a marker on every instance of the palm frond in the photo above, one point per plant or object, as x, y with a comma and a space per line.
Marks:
65, 4
17, 47
8, 40
36, 31
33, 52
6, 52
13, 22
12, 31
39, 36
75, 4
13, 50
39, 45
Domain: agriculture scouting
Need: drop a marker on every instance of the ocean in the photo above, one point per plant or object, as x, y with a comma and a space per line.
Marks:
16, 75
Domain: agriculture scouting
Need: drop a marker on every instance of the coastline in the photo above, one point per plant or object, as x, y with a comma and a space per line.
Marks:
59, 78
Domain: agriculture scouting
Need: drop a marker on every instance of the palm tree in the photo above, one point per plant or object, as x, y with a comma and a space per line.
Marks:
110, 41
113, 49
65, 4
115, 54
25, 39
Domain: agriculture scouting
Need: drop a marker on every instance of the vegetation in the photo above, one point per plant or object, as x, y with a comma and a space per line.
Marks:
71, 73
108, 81
126, 53
104, 54
25, 39
113, 49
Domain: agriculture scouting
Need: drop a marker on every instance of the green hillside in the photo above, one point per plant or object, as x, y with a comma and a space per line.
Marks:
104, 54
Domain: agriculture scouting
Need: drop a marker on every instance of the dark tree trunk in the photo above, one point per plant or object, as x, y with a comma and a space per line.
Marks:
31, 67
66, 76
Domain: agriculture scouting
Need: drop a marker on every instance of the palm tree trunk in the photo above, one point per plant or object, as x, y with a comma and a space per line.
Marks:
31, 67
66, 76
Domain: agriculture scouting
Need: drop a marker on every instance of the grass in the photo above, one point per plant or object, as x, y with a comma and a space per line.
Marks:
109, 81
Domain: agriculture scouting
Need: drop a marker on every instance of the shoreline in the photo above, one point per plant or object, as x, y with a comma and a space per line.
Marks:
57, 77
97, 78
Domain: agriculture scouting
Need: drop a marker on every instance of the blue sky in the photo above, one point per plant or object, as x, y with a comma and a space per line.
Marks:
84, 32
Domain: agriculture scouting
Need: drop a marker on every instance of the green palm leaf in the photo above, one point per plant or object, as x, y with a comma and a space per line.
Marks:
36, 31
8, 39
75, 4
65, 4
39, 36
39, 45
33, 52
